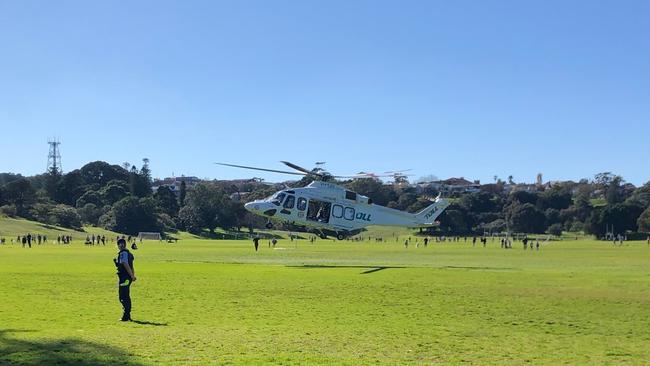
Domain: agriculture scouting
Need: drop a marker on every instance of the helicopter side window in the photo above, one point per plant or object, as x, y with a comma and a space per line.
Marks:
337, 211
348, 214
302, 204
278, 199
291, 199
350, 195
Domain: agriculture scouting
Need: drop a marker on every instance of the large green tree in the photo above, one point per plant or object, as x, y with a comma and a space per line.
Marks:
526, 218
641, 195
208, 206
166, 200
182, 194
621, 216
205, 200
70, 188
90, 214
132, 215
453, 221
89, 197
644, 221
139, 185
52, 181
114, 191
614, 194
558, 197
65, 216
21, 194
100, 173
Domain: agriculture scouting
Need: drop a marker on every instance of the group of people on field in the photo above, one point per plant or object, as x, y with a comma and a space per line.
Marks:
91, 239
28, 239
525, 242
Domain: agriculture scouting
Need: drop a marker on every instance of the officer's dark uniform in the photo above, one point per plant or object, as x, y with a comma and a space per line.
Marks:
124, 281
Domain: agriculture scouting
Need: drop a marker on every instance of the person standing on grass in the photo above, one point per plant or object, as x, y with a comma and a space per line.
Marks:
256, 242
126, 276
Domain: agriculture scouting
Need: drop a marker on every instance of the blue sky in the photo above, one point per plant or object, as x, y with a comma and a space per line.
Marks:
462, 88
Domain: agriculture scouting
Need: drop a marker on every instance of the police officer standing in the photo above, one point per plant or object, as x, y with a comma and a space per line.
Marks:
126, 276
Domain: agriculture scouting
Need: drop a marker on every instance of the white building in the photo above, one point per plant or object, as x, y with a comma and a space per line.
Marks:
174, 183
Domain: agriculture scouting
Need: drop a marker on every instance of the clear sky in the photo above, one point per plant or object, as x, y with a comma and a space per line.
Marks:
451, 88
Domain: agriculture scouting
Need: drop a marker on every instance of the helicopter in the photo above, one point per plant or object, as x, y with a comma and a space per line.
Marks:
329, 209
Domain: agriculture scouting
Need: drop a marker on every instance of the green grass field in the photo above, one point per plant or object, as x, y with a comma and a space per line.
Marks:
205, 302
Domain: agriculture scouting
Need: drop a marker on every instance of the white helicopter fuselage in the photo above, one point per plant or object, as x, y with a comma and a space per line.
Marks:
327, 206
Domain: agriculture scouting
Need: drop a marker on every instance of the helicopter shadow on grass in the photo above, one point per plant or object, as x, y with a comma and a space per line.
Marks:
65, 351
373, 269
369, 269
479, 268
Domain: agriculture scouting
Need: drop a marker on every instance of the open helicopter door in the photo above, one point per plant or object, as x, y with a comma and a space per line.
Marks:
319, 211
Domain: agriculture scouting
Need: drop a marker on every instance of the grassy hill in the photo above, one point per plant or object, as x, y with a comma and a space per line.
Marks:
10, 227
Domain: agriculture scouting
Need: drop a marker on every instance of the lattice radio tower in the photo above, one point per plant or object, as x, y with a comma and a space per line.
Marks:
54, 157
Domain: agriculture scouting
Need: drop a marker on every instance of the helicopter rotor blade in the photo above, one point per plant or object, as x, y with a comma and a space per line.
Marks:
369, 175
360, 175
300, 169
398, 171
262, 169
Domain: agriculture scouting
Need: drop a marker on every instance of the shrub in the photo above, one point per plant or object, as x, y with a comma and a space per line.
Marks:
8, 210
555, 229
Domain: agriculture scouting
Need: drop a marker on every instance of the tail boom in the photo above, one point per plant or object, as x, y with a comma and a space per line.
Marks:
429, 215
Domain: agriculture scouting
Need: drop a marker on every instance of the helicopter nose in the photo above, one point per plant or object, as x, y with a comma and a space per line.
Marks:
252, 206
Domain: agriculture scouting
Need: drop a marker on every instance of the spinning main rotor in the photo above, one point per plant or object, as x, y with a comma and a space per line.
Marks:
320, 172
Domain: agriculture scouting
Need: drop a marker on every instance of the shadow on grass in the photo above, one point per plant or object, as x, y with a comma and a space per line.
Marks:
67, 351
369, 269
479, 268
50, 227
145, 322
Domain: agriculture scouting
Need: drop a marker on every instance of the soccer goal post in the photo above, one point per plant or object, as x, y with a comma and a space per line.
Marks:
145, 235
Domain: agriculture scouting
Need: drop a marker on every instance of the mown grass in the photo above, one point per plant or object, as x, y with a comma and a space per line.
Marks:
219, 302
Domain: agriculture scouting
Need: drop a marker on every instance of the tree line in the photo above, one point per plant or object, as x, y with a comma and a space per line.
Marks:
120, 198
